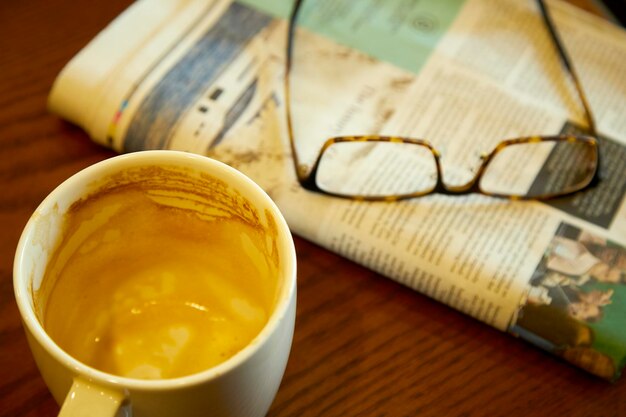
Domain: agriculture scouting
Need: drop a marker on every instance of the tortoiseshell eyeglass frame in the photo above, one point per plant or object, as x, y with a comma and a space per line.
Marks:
307, 176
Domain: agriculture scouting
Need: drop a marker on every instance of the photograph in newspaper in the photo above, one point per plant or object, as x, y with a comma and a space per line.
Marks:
576, 305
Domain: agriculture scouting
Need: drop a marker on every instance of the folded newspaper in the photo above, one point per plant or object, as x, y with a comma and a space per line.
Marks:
205, 76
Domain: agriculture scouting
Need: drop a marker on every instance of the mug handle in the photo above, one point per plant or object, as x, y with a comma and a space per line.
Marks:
85, 399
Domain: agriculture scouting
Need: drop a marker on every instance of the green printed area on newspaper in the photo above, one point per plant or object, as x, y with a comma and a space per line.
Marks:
610, 336
403, 32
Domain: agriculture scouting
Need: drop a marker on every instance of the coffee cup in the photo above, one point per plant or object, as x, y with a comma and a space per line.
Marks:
158, 283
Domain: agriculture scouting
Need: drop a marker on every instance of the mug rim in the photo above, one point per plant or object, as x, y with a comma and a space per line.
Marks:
176, 158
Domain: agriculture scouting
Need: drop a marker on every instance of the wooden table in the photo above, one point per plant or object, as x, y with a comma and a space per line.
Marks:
363, 344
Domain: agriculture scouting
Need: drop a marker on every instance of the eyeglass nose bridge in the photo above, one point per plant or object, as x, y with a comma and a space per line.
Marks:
470, 187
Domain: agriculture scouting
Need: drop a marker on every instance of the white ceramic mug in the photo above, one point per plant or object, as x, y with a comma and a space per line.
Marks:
243, 385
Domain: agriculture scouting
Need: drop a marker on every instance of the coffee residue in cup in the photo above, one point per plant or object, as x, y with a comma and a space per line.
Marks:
142, 289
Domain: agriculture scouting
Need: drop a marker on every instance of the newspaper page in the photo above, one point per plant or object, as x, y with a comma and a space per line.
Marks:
206, 76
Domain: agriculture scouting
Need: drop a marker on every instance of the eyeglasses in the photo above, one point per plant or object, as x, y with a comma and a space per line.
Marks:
389, 168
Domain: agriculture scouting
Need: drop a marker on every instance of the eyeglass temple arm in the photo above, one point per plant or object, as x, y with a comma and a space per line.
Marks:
568, 65
288, 59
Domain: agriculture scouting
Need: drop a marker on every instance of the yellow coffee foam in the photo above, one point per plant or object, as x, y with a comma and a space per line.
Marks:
141, 290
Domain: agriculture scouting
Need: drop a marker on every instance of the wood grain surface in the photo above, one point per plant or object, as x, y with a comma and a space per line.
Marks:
363, 346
